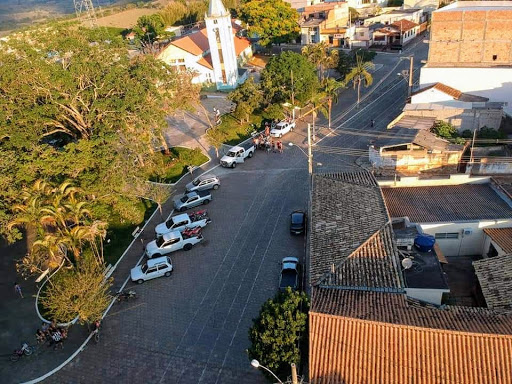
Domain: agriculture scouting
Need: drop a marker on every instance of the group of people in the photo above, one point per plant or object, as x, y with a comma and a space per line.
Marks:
52, 333
263, 141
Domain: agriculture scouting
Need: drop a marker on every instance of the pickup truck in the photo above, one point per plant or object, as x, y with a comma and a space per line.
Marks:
180, 222
282, 128
171, 242
192, 199
289, 273
237, 154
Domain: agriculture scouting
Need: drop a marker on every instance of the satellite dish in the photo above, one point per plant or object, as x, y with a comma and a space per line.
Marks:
407, 263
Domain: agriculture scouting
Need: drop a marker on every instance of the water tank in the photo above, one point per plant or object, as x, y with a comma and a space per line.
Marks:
424, 243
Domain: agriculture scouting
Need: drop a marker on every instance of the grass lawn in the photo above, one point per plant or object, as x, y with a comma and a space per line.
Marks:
234, 132
120, 233
174, 165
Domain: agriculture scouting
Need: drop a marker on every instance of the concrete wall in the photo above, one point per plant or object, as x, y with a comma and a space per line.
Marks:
481, 36
486, 166
172, 54
493, 83
433, 296
463, 119
412, 160
471, 244
414, 181
427, 5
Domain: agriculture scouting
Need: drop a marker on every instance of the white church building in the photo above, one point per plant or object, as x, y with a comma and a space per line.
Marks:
214, 53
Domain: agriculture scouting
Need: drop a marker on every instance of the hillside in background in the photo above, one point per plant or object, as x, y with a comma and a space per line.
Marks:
15, 14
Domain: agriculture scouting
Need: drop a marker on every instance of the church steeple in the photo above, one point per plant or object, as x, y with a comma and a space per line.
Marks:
216, 8
222, 46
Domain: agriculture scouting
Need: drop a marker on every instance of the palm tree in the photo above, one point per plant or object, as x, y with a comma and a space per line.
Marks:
321, 56
318, 104
29, 212
360, 74
331, 87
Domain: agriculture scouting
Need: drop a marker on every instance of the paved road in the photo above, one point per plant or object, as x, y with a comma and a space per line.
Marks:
193, 326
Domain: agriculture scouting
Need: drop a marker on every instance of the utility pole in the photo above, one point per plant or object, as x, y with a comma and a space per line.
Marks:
86, 8
411, 70
293, 95
472, 146
310, 153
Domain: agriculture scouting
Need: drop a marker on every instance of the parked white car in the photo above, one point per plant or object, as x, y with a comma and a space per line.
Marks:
151, 269
171, 242
282, 128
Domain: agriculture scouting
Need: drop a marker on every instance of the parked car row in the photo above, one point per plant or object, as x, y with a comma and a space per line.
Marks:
290, 266
179, 232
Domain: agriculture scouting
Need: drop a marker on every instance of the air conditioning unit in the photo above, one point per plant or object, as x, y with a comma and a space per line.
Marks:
467, 231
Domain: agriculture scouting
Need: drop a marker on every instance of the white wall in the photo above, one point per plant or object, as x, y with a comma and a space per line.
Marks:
433, 95
415, 181
426, 5
494, 83
433, 296
472, 244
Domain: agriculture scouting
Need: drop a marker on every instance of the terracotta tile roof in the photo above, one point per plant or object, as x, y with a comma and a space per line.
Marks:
195, 43
404, 25
206, 61
241, 44
372, 265
352, 351
347, 210
455, 93
502, 237
397, 309
495, 277
446, 203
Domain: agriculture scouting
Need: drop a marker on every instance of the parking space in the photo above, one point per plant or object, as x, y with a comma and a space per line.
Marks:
193, 326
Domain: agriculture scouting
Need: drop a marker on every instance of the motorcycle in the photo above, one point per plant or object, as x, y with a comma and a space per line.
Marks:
199, 215
126, 295
190, 232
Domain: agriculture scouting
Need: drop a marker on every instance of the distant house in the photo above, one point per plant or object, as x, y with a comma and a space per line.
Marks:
497, 242
324, 22
462, 110
414, 15
410, 147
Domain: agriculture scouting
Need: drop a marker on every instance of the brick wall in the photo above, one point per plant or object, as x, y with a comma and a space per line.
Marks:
464, 37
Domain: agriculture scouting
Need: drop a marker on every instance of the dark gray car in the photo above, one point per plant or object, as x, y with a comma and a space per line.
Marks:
203, 183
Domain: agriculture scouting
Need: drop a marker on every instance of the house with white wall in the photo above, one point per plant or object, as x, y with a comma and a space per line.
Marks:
455, 211
462, 110
469, 49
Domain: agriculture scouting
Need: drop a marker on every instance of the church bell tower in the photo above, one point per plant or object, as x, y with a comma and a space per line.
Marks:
222, 46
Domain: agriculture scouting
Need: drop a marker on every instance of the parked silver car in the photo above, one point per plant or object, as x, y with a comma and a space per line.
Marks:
203, 183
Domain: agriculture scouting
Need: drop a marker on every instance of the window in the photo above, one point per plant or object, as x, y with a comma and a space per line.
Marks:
162, 267
215, 21
447, 235
224, 78
151, 270
181, 60
494, 57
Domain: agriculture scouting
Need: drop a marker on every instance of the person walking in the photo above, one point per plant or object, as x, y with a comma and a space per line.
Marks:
280, 146
17, 289
372, 123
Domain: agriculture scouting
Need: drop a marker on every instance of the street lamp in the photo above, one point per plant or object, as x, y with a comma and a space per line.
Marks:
310, 152
256, 364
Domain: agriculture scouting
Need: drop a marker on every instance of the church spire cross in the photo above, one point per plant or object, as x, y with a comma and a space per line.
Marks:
216, 8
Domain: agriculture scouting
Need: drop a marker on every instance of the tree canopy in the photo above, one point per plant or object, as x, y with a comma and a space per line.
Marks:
273, 21
75, 106
276, 333
277, 83
149, 27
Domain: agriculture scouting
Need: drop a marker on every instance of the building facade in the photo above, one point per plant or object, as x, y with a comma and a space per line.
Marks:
472, 40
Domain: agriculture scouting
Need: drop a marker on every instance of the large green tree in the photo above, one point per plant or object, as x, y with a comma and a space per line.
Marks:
75, 106
289, 77
150, 27
322, 57
247, 97
272, 21
277, 334
360, 74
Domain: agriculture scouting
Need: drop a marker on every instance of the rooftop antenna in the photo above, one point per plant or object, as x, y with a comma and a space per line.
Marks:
85, 9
